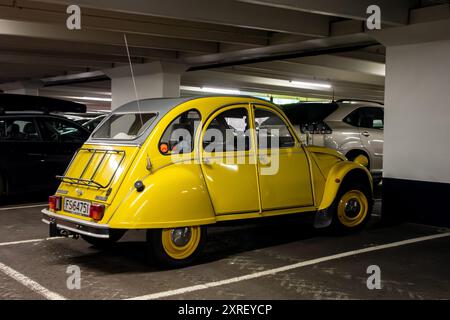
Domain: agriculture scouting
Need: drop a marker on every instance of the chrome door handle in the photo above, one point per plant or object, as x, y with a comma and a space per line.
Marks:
366, 134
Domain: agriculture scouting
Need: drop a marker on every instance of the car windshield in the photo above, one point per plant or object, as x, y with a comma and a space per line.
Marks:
124, 126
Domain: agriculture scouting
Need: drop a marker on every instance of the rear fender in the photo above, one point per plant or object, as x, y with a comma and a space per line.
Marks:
173, 196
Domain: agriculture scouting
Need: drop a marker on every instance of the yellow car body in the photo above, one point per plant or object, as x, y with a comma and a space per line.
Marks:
139, 187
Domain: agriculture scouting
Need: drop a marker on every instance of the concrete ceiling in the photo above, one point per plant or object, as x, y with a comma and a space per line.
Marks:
253, 45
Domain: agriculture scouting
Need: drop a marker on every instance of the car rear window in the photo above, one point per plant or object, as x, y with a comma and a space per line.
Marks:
124, 126
305, 113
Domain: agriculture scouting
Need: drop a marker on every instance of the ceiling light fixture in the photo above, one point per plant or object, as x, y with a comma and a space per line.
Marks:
310, 85
95, 99
221, 91
86, 98
211, 90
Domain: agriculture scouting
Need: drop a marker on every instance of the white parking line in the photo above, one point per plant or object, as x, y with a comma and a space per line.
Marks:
175, 292
29, 283
4, 244
24, 207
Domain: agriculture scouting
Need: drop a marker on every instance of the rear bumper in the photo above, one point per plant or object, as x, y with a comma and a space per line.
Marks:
75, 226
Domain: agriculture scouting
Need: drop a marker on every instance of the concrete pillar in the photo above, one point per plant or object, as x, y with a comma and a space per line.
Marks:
22, 87
416, 182
153, 80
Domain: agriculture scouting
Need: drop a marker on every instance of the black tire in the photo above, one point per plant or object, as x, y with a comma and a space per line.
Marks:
114, 236
341, 224
160, 255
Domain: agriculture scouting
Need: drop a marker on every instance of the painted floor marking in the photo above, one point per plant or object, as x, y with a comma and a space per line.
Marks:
24, 207
5, 244
170, 293
29, 283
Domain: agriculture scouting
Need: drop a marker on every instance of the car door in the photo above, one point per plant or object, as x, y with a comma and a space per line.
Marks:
22, 157
371, 124
228, 161
61, 139
284, 173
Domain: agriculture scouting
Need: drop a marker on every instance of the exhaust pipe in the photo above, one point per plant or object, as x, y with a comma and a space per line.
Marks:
68, 234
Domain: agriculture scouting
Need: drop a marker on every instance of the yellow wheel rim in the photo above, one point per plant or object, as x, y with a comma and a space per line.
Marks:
181, 243
353, 208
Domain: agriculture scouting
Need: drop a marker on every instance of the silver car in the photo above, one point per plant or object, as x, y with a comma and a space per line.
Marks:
350, 126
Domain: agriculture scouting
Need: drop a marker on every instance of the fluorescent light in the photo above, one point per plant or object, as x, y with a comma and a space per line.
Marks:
221, 91
211, 90
90, 99
96, 99
189, 88
310, 85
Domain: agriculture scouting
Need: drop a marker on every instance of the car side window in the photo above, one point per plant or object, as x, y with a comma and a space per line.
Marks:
179, 136
228, 132
371, 118
59, 130
353, 118
366, 117
272, 131
18, 129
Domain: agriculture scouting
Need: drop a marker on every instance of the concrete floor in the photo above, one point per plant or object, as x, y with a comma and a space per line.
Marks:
37, 269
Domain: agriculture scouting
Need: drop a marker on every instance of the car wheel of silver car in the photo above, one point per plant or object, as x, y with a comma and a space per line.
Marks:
352, 155
114, 236
176, 247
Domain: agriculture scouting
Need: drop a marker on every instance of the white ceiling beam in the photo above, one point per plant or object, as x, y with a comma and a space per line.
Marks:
364, 55
274, 52
74, 77
15, 72
53, 47
392, 12
344, 63
78, 61
298, 72
220, 12
432, 13
105, 12
60, 32
93, 21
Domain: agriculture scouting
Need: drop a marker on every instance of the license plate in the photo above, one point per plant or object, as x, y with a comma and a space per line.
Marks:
77, 207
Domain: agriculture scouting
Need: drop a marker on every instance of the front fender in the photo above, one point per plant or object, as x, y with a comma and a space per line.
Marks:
174, 196
335, 178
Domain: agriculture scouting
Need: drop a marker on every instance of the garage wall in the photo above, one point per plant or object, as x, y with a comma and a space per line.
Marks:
417, 132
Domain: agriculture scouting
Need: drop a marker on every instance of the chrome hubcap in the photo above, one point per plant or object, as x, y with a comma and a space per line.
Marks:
181, 236
352, 208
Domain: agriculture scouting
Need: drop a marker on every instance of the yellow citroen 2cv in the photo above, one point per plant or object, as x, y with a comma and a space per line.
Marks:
173, 167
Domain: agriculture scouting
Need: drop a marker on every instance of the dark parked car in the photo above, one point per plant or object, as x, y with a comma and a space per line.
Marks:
93, 123
35, 144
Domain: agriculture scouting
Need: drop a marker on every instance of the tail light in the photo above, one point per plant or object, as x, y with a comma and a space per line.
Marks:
97, 211
317, 128
54, 203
